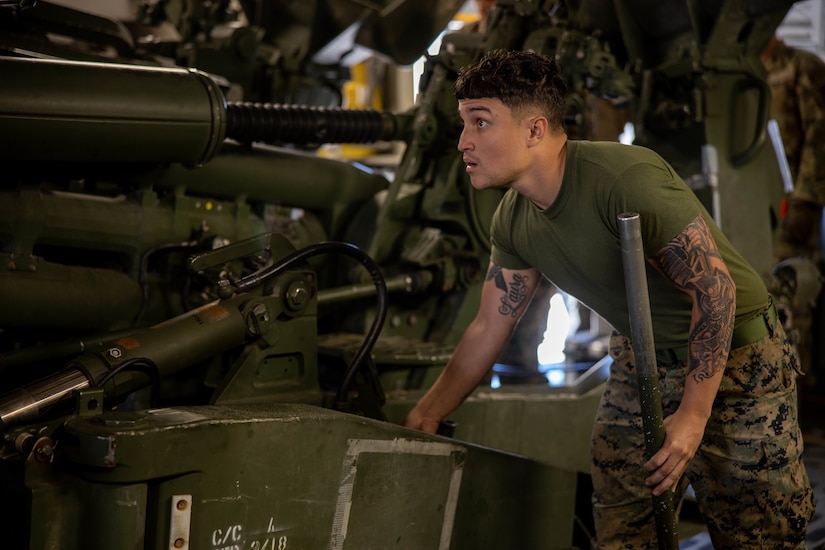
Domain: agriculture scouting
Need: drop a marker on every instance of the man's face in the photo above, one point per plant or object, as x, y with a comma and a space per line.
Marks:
493, 142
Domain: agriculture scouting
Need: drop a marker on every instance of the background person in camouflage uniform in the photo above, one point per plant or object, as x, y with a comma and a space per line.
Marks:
728, 372
797, 82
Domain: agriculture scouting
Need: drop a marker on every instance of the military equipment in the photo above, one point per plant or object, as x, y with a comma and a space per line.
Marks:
647, 378
211, 335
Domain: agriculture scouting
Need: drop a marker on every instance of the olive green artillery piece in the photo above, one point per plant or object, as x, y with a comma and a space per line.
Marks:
163, 388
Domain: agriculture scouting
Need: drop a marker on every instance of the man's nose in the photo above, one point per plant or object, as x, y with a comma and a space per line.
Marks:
463, 142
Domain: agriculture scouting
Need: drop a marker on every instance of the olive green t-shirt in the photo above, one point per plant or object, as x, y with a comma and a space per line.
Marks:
576, 242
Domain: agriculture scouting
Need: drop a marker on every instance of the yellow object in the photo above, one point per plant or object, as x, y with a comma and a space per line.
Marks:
361, 93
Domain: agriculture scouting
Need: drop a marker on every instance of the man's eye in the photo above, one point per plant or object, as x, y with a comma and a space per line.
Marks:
481, 123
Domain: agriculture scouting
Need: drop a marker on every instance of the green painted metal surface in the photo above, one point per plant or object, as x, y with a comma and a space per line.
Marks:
148, 400
291, 475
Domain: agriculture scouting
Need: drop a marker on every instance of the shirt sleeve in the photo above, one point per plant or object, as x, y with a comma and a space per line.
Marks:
665, 204
502, 252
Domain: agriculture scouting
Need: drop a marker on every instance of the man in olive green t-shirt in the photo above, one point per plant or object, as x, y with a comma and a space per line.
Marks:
727, 370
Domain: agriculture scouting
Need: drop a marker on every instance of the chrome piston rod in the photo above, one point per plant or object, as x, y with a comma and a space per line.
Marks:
29, 403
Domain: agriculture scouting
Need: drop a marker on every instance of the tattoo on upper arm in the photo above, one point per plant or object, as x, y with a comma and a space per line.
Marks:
693, 262
495, 273
514, 293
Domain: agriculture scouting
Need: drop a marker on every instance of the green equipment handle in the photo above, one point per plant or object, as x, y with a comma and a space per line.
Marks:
641, 328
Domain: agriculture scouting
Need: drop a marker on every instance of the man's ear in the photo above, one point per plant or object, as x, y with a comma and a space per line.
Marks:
538, 128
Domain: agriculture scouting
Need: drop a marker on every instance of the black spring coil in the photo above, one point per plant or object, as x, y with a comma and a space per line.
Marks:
251, 122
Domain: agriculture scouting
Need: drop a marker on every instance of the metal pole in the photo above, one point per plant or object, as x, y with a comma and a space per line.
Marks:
641, 329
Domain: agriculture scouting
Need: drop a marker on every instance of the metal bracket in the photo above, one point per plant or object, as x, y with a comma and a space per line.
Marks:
180, 516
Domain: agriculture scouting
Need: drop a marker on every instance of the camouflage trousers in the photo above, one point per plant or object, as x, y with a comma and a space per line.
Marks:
748, 476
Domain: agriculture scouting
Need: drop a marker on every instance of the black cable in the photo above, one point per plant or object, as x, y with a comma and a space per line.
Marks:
136, 363
143, 274
369, 264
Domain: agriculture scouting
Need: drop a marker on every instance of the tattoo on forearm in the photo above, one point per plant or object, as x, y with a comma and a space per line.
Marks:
514, 293
692, 261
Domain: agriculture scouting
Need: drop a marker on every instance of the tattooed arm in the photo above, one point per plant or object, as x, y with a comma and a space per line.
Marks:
504, 297
693, 263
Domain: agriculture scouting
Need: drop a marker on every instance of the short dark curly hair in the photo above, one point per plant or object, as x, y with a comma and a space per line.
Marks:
520, 79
